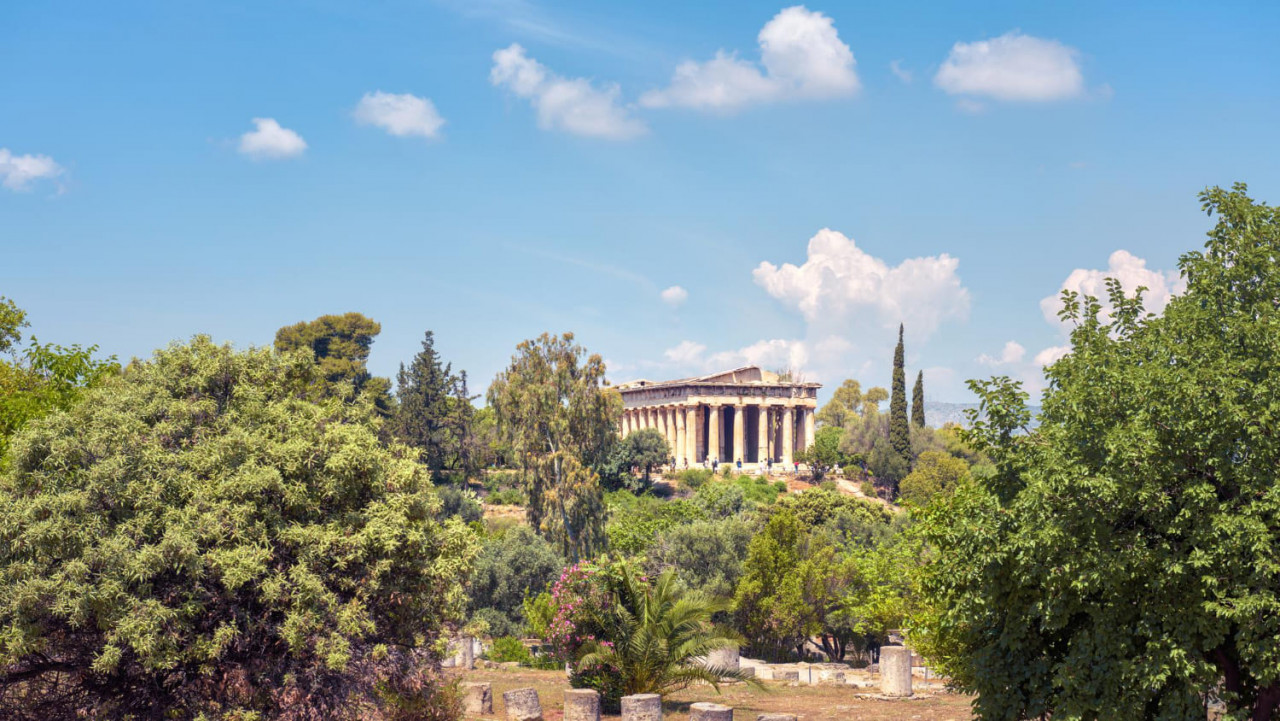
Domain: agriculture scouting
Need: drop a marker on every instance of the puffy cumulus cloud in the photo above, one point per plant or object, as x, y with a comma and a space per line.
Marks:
269, 140
1012, 67
18, 172
401, 115
768, 354
1012, 352
675, 296
1050, 355
687, 353
1131, 271
839, 280
802, 55
573, 105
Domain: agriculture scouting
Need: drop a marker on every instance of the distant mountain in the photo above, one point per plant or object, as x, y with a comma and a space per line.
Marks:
937, 413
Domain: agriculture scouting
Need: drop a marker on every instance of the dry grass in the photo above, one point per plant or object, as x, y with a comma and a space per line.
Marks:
809, 703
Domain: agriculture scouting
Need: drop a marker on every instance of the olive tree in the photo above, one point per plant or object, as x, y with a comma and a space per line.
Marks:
199, 537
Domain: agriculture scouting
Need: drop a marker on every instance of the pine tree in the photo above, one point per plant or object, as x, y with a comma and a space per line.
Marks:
917, 401
899, 430
434, 411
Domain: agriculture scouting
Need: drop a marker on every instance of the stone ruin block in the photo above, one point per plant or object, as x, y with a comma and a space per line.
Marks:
703, 711
895, 671
523, 704
642, 707
581, 704
477, 697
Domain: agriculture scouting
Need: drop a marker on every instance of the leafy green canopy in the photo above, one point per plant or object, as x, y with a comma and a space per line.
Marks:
40, 378
560, 417
340, 345
198, 537
433, 412
511, 567
1122, 561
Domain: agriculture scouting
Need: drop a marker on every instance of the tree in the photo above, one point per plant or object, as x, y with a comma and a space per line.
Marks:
706, 556
791, 580
935, 472
887, 466
434, 413
657, 637
825, 452
899, 429
645, 449
917, 401
1121, 560
41, 378
511, 567
194, 538
843, 408
340, 345
555, 408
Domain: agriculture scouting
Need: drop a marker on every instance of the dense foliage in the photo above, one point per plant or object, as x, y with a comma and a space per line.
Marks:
340, 345
434, 413
200, 537
555, 408
899, 428
511, 566
1121, 560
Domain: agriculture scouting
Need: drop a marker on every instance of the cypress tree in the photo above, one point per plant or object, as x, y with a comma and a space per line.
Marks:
917, 401
899, 430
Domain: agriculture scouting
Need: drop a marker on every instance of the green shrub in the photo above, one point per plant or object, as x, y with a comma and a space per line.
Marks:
508, 569
720, 500
506, 497
196, 538
694, 478
635, 521
758, 490
508, 649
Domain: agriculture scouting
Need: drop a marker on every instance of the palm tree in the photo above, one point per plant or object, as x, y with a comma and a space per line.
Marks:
657, 638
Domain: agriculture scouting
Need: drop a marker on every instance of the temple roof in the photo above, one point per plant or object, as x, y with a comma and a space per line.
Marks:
746, 375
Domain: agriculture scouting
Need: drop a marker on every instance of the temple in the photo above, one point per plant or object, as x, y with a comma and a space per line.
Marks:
747, 414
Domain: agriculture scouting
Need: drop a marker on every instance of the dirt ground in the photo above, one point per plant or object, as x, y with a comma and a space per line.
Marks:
809, 703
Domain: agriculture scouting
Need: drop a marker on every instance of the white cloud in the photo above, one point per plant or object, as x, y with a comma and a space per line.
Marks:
17, 172
839, 281
270, 140
400, 115
675, 296
1051, 354
687, 353
1131, 271
802, 55
768, 354
1012, 352
970, 106
570, 104
1012, 67
903, 74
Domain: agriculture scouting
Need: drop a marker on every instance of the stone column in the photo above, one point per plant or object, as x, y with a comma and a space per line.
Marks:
800, 428
739, 433
895, 671
670, 414
787, 427
691, 434
762, 435
523, 705
642, 707
703, 711
810, 429
681, 436
581, 704
477, 698
777, 434
713, 432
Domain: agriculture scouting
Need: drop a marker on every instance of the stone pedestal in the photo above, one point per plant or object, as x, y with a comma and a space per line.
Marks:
581, 704
724, 658
831, 675
477, 698
703, 711
895, 671
776, 717
642, 707
523, 705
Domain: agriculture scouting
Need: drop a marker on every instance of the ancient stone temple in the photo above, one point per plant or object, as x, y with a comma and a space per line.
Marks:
746, 414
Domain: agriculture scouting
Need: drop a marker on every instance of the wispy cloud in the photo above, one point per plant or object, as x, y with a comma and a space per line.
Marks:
573, 105
18, 172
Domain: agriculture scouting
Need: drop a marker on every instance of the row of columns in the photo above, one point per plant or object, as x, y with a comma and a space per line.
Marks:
792, 427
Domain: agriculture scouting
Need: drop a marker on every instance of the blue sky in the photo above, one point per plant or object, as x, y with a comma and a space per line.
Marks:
494, 169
